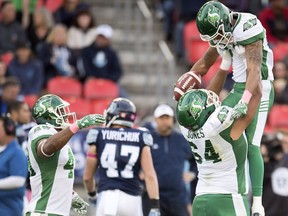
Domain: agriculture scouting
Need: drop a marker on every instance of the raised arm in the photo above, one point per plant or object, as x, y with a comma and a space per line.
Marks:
241, 124
253, 54
47, 147
218, 80
206, 61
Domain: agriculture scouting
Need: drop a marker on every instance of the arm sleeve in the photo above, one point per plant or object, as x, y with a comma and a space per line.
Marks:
147, 138
12, 182
92, 136
218, 121
18, 164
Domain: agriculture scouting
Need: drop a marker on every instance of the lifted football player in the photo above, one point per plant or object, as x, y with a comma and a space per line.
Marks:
242, 37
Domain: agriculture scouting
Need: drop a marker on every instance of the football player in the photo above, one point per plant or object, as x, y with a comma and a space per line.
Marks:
119, 151
206, 125
51, 161
242, 36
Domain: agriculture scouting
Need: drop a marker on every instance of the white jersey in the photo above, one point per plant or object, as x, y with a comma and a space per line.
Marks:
247, 30
220, 160
51, 178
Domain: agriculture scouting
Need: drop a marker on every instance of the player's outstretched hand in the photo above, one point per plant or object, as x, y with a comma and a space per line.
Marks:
239, 110
90, 120
154, 212
79, 205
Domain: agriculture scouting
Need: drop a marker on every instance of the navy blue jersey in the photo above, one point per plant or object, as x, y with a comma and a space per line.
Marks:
119, 153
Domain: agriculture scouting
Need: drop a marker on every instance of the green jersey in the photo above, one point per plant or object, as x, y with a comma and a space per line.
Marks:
220, 160
51, 178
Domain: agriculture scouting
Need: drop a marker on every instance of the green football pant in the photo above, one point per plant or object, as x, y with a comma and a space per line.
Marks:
254, 131
220, 205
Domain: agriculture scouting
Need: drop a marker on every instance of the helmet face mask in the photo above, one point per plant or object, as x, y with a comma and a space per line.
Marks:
214, 22
121, 111
52, 110
195, 107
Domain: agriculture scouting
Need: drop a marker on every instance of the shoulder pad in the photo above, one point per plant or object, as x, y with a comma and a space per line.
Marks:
248, 29
147, 138
41, 130
92, 136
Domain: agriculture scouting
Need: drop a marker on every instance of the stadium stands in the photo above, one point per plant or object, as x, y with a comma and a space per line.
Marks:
64, 86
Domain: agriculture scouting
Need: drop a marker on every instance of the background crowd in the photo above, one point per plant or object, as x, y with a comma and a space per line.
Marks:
42, 40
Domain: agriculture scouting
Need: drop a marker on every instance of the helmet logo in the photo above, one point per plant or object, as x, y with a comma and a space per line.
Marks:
112, 107
213, 16
196, 107
39, 110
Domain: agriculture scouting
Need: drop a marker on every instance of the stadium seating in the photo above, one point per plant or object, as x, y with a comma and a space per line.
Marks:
98, 106
213, 69
280, 51
64, 86
100, 89
30, 99
278, 117
78, 105
194, 46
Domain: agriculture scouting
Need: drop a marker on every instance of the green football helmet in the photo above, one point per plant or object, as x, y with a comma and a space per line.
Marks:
52, 110
214, 22
194, 108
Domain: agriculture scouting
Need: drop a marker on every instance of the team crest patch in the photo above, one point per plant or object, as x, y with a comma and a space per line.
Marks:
222, 115
213, 16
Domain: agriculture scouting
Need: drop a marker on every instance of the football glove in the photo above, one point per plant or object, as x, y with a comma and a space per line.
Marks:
90, 120
154, 212
78, 204
239, 110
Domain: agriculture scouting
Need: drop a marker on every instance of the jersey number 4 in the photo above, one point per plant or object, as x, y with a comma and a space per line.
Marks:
108, 160
210, 154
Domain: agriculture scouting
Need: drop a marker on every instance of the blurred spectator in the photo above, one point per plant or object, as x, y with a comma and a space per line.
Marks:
169, 152
25, 9
256, 6
27, 69
82, 32
42, 24
275, 185
3, 70
239, 5
11, 31
187, 10
67, 12
51, 5
281, 91
100, 60
55, 54
20, 113
168, 7
10, 93
275, 20
13, 170
280, 70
